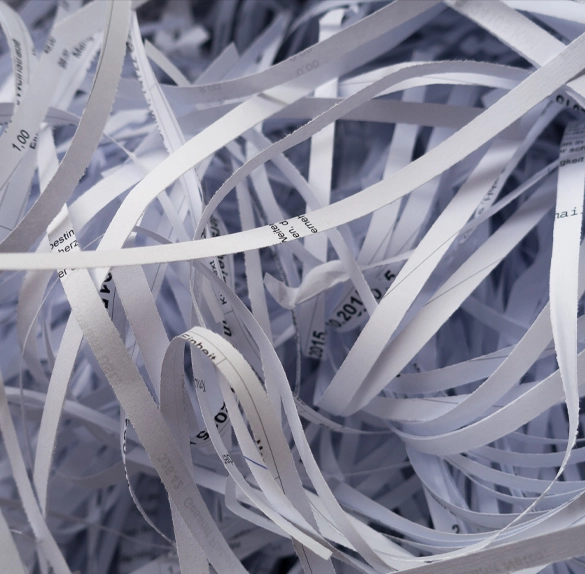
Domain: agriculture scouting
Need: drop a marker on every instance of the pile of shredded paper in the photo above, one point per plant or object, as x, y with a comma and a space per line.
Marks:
292, 286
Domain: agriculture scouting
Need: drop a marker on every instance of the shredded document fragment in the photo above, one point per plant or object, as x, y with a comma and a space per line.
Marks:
292, 286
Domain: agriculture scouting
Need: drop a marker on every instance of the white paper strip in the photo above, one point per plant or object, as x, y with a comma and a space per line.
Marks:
292, 288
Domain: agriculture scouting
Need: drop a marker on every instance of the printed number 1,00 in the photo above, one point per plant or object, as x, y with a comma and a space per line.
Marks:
22, 137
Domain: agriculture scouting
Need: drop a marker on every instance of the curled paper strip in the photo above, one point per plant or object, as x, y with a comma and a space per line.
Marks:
292, 287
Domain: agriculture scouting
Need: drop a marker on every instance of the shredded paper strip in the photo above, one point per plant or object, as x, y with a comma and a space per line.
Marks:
292, 286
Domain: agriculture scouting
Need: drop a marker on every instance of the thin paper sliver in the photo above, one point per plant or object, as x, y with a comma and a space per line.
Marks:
292, 287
